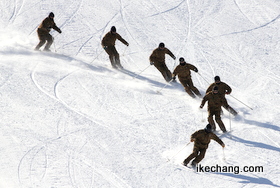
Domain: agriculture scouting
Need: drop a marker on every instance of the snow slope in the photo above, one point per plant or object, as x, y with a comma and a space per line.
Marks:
69, 120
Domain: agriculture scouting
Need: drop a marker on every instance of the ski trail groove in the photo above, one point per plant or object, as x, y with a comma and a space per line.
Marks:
56, 97
125, 22
77, 8
249, 30
15, 11
243, 13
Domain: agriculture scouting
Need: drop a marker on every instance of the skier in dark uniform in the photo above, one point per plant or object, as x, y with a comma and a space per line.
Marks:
108, 44
215, 102
201, 139
43, 32
183, 70
223, 89
157, 58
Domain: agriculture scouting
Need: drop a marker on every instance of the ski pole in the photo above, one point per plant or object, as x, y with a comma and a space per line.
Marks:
124, 51
96, 57
241, 102
202, 120
229, 121
164, 86
203, 78
54, 44
141, 72
178, 152
224, 157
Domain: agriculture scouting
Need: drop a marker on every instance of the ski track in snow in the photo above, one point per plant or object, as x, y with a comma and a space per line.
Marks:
250, 30
109, 176
15, 11
56, 95
70, 168
240, 9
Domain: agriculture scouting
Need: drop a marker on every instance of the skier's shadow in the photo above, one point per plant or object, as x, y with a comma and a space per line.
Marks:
134, 75
254, 144
124, 71
264, 125
249, 179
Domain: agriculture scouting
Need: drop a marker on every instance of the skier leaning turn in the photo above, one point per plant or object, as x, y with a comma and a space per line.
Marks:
183, 70
201, 139
157, 58
108, 44
223, 89
43, 32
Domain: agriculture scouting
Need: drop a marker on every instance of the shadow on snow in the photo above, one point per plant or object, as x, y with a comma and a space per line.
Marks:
249, 179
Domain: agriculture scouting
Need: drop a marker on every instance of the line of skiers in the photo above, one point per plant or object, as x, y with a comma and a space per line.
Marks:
215, 93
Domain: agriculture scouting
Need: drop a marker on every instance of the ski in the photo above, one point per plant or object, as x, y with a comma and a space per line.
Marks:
181, 167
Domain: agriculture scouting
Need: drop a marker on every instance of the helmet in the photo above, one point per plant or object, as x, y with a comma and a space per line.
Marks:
215, 88
208, 128
113, 29
161, 45
217, 78
51, 15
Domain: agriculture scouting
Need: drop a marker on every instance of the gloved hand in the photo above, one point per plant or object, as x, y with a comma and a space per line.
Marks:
174, 57
223, 145
59, 31
193, 139
127, 44
195, 70
201, 106
227, 93
152, 63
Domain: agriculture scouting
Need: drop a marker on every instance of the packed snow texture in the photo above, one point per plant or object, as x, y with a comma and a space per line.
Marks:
69, 120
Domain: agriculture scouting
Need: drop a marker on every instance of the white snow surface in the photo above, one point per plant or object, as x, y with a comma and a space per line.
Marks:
69, 120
